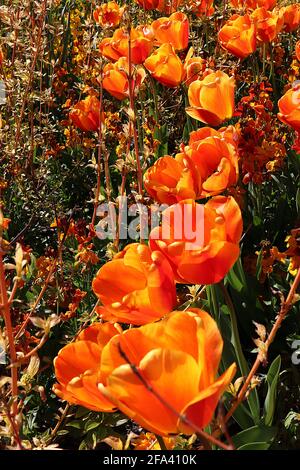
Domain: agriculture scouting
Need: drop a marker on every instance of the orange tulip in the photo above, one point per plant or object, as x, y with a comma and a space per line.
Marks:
253, 4
212, 99
136, 287
289, 108
200, 242
297, 50
291, 16
117, 46
170, 180
108, 14
268, 24
194, 68
77, 368
174, 30
165, 66
238, 36
115, 78
215, 160
164, 6
202, 7
148, 4
86, 114
177, 357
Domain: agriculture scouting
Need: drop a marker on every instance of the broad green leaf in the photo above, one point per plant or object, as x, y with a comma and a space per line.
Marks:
272, 380
75, 424
255, 434
91, 425
255, 446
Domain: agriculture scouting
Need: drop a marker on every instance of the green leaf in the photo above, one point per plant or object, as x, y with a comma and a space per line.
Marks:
259, 434
75, 424
236, 277
272, 380
255, 446
91, 425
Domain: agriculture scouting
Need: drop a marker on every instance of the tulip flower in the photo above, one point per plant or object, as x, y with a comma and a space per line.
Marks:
170, 180
212, 99
117, 46
148, 4
164, 6
200, 242
291, 17
214, 159
238, 36
253, 4
165, 66
108, 14
77, 368
178, 358
268, 24
136, 287
194, 68
86, 114
115, 78
173, 30
202, 7
289, 108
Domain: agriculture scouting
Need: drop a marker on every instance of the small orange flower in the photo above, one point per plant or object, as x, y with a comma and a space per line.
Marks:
174, 30
170, 180
136, 287
165, 66
77, 368
253, 4
289, 108
117, 46
238, 36
291, 16
202, 7
108, 14
194, 68
115, 78
1, 56
268, 24
215, 160
179, 353
212, 99
297, 50
200, 242
86, 114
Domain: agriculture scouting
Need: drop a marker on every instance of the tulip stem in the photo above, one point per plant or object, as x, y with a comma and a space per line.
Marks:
213, 302
235, 339
132, 116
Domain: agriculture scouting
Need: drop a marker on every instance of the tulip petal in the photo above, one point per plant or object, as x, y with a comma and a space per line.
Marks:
201, 409
159, 368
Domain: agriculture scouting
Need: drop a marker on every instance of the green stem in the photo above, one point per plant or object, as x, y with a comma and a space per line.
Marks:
235, 339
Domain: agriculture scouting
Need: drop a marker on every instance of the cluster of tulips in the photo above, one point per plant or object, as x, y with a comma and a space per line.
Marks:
242, 34
165, 367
